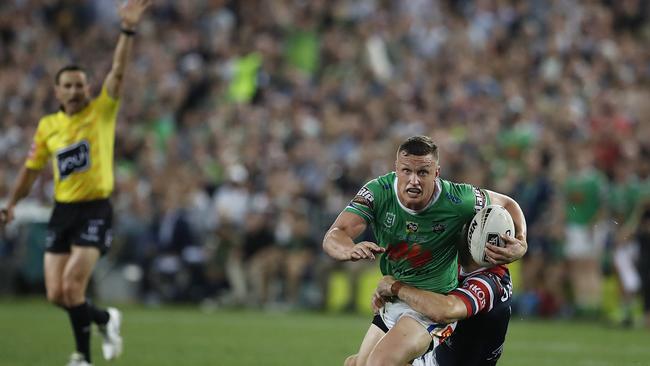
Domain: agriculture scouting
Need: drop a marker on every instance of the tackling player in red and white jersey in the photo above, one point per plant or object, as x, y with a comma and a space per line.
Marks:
481, 305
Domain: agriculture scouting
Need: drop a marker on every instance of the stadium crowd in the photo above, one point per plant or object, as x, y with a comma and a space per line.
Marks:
246, 126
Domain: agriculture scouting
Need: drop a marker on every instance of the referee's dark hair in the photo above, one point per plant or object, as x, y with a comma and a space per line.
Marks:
71, 67
419, 146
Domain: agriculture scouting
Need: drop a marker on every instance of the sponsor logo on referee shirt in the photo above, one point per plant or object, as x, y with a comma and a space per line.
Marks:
74, 158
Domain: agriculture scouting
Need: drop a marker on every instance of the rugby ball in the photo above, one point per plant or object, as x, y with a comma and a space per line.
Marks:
485, 228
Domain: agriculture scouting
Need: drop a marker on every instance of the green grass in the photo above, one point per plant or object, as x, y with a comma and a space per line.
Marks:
35, 333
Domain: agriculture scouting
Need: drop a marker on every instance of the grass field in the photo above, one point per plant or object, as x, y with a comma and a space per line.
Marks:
34, 333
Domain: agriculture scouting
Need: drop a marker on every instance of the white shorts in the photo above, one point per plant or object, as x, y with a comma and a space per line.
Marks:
393, 311
583, 242
624, 258
427, 359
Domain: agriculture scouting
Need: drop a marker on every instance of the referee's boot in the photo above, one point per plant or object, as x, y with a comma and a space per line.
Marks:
112, 340
77, 359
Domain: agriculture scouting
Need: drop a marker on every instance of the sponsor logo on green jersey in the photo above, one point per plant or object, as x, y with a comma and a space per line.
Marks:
411, 227
390, 219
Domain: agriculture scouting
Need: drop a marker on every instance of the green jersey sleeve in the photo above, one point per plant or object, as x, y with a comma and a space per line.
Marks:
472, 199
363, 203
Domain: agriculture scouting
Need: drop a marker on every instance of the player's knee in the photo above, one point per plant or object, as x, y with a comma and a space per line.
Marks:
376, 361
379, 358
350, 361
55, 296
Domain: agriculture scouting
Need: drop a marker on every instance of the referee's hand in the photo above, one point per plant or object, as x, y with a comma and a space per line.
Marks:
6, 215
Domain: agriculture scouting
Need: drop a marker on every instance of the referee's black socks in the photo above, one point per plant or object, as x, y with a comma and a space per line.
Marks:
98, 316
80, 319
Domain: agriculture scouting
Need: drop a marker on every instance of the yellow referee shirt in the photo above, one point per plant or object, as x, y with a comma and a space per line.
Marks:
81, 147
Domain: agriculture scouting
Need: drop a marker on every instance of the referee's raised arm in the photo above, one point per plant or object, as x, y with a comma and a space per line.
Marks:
130, 15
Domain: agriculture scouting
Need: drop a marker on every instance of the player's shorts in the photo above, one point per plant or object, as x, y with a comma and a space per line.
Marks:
393, 311
427, 359
583, 242
624, 258
86, 224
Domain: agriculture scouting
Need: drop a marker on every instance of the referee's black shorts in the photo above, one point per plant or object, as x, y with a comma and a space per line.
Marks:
85, 223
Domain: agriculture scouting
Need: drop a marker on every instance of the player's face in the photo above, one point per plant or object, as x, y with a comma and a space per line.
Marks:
72, 91
416, 179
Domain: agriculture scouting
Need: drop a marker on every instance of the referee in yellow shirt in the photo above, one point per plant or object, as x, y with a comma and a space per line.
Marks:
79, 139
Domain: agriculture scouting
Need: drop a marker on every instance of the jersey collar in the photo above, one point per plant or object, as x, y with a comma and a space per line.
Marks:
433, 200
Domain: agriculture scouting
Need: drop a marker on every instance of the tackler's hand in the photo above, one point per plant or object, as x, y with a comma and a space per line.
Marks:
377, 303
384, 286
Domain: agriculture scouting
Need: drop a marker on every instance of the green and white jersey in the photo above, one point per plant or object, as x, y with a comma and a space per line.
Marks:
420, 246
623, 198
585, 196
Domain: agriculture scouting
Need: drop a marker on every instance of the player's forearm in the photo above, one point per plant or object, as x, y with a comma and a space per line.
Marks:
437, 307
518, 218
337, 243
23, 185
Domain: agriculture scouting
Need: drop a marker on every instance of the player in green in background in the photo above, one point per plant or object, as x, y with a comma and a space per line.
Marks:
586, 231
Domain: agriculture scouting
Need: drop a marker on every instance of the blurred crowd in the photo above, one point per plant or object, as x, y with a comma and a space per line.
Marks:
246, 127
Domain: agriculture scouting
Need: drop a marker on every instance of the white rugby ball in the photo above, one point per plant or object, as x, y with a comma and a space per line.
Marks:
485, 227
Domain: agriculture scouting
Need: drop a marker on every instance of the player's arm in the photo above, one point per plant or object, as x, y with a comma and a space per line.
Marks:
339, 244
130, 14
23, 185
515, 247
437, 307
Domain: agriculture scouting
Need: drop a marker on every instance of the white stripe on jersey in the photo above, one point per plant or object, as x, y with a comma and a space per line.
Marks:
472, 297
490, 302
361, 213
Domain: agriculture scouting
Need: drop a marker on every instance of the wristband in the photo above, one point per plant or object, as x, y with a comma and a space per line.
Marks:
395, 287
127, 32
